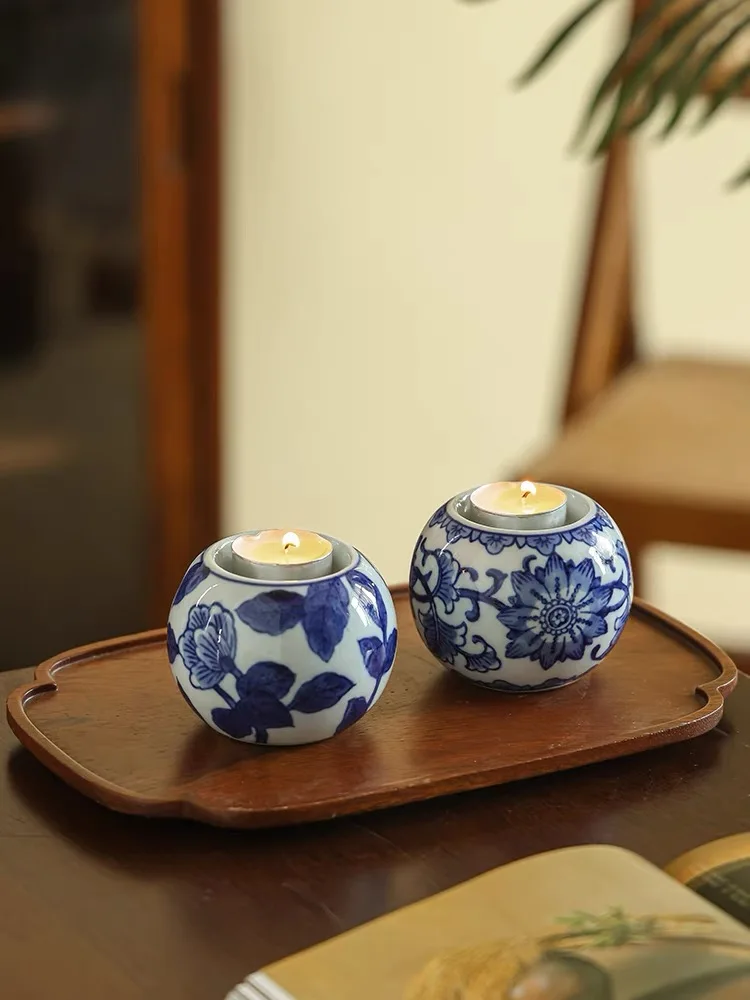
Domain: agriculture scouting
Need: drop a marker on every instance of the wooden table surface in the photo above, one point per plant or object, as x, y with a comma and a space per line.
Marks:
98, 904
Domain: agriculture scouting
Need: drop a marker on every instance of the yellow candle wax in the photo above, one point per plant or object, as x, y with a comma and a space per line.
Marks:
523, 505
280, 554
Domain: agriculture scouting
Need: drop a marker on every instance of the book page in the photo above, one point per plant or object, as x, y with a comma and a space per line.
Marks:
589, 923
720, 872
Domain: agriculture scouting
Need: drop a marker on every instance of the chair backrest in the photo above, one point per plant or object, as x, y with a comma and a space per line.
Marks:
605, 337
605, 340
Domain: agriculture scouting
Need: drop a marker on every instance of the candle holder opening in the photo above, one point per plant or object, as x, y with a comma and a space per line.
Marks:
220, 558
578, 509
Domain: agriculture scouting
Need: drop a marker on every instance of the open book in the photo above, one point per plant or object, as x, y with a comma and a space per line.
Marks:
585, 923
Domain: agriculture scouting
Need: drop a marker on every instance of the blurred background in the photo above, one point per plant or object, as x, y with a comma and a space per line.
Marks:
317, 263
72, 416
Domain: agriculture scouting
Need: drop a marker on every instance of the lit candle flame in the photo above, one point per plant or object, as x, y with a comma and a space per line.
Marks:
527, 489
290, 541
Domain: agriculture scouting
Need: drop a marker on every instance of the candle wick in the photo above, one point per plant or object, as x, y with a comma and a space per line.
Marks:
526, 493
289, 541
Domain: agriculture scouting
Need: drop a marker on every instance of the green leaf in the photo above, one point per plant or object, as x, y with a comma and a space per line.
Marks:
560, 38
741, 178
608, 81
733, 86
637, 76
668, 81
578, 919
692, 84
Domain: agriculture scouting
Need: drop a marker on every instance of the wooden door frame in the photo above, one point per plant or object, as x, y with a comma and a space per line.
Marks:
180, 163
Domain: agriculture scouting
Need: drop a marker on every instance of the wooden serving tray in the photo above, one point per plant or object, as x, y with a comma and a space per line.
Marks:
109, 720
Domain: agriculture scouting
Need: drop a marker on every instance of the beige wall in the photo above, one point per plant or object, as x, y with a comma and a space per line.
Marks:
403, 241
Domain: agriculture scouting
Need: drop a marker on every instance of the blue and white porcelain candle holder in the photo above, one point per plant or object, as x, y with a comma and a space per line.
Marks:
281, 662
520, 610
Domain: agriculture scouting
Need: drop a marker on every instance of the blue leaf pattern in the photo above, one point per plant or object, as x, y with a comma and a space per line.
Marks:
259, 708
172, 648
273, 612
377, 652
441, 638
259, 711
195, 575
265, 696
320, 693
368, 597
326, 614
390, 649
275, 678
373, 655
355, 709
382, 613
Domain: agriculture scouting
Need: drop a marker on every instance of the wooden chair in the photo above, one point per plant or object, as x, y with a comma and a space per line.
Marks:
663, 444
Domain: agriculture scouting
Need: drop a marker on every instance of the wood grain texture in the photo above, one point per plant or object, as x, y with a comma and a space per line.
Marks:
179, 163
204, 112
655, 441
664, 468
109, 720
162, 68
126, 906
605, 338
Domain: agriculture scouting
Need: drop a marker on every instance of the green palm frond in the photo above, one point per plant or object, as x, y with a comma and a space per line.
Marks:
741, 178
671, 78
673, 50
561, 36
648, 70
671, 63
613, 75
675, 54
733, 86
693, 81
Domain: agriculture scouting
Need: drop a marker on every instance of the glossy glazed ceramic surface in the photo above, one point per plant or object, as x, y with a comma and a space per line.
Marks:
281, 663
521, 611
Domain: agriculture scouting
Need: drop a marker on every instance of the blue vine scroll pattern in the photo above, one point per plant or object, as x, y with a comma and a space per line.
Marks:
434, 585
622, 589
494, 542
555, 611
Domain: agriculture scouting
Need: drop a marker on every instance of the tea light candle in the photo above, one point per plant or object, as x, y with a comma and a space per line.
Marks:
521, 506
276, 554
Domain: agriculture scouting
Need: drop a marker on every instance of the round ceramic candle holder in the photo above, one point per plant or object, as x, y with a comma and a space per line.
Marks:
521, 610
282, 663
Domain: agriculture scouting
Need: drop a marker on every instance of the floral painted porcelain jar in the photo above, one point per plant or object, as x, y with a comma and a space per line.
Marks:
281, 662
519, 610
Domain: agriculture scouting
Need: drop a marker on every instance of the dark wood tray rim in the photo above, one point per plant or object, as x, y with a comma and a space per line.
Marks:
696, 723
